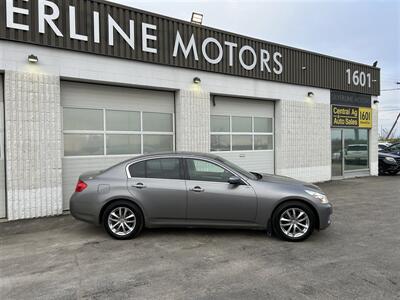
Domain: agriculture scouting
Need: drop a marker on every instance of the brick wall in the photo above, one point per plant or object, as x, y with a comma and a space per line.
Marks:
373, 142
192, 109
303, 140
33, 145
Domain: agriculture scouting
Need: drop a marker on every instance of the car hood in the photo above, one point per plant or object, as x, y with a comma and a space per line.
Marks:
287, 180
387, 154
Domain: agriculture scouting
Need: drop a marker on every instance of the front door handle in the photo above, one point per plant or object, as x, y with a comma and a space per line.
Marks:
139, 185
197, 189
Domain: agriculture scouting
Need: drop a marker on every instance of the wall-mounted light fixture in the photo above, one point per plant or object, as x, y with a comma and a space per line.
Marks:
33, 59
310, 94
196, 80
303, 68
197, 18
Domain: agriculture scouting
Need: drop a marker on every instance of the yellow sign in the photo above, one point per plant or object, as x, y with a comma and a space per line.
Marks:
364, 117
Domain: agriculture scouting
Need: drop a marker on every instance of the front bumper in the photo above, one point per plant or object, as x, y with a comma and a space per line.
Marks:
325, 213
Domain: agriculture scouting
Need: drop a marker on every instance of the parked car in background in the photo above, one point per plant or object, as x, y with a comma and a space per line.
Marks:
388, 163
197, 190
382, 146
356, 153
394, 149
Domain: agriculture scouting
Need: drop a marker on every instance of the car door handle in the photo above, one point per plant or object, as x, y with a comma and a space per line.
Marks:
197, 189
139, 185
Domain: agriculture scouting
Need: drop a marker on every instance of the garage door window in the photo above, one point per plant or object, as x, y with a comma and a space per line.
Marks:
241, 133
90, 132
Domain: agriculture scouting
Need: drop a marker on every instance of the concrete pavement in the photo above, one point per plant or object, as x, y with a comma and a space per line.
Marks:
358, 257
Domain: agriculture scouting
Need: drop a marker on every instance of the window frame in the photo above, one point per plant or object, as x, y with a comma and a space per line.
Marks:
184, 167
187, 176
106, 132
253, 133
182, 173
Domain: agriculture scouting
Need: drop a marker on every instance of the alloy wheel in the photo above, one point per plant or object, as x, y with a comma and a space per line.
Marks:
294, 222
121, 221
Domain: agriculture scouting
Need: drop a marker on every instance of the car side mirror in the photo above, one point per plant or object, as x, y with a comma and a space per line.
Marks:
235, 180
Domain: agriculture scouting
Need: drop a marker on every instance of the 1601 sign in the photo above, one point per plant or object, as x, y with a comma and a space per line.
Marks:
358, 78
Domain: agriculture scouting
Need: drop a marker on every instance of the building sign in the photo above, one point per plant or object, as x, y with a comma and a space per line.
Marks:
352, 99
105, 28
350, 116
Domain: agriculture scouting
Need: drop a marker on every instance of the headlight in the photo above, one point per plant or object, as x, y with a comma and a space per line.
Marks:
390, 159
321, 197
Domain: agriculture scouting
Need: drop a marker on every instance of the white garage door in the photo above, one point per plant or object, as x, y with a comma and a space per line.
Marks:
2, 167
104, 125
242, 131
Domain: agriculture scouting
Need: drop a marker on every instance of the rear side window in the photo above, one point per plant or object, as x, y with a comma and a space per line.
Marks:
138, 169
163, 168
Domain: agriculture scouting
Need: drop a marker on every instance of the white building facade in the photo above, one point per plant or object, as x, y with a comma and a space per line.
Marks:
75, 110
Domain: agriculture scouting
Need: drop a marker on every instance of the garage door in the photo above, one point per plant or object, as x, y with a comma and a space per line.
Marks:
103, 125
242, 130
2, 167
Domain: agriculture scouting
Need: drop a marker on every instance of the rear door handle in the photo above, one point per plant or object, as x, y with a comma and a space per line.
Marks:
197, 189
139, 185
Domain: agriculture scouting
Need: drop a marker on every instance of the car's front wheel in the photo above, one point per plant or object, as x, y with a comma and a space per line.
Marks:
123, 220
293, 221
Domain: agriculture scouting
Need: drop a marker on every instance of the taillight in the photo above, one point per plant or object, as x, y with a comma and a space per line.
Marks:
80, 186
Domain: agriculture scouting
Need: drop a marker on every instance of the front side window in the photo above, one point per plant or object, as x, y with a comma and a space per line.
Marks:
202, 170
91, 132
162, 168
241, 133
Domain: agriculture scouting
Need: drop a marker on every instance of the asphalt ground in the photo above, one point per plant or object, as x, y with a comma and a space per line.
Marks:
357, 257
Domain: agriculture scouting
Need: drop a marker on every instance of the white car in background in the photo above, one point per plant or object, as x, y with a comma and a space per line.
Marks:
356, 152
383, 145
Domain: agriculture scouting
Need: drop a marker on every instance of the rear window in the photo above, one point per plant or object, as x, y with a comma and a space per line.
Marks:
163, 168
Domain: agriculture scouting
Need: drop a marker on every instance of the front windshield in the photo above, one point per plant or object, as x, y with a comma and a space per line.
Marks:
238, 169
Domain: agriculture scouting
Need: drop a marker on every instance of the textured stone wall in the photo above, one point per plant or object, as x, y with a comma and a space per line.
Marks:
33, 145
303, 140
373, 142
192, 109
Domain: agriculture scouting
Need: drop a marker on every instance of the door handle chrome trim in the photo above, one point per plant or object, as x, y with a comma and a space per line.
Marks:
197, 189
138, 185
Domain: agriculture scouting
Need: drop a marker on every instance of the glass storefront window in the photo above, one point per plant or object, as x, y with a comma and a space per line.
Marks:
350, 150
355, 149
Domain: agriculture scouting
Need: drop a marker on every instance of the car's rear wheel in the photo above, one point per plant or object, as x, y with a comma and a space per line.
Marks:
123, 220
293, 221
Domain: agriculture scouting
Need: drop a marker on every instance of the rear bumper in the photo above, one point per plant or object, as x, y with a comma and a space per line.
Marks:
83, 209
325, 212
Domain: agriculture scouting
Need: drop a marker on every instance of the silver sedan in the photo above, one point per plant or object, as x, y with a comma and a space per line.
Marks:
182, 189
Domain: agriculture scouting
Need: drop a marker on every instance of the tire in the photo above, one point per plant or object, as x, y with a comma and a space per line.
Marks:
123, 220
295, 232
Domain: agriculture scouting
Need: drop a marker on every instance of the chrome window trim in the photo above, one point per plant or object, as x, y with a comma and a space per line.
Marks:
243, 178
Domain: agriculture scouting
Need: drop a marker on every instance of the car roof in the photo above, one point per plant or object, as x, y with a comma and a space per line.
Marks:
171, 153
